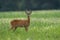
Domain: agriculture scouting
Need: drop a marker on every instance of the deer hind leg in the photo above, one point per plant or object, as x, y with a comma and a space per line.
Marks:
11, 28
14, 27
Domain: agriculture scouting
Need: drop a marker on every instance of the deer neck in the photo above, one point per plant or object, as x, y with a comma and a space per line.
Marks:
29, 19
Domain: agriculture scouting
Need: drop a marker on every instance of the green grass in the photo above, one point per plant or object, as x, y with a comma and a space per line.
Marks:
45, 25
36, 14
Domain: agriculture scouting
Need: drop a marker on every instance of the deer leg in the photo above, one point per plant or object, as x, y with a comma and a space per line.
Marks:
11, 28
15, 28
26, 28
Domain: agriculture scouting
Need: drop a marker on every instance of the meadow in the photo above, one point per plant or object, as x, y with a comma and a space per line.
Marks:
45, 25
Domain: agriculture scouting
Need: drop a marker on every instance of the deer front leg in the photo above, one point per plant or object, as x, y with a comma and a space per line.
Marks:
26, 28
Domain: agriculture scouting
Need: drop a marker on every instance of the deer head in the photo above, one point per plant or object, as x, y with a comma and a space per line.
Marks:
28, 12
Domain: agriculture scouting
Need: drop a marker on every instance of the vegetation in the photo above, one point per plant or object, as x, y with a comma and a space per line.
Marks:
45, 25
14, 5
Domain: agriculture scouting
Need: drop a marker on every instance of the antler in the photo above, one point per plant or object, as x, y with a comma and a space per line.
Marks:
28, 12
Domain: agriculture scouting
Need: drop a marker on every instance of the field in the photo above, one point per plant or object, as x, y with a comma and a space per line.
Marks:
45, 25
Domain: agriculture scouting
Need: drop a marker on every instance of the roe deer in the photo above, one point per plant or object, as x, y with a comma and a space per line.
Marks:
22, 23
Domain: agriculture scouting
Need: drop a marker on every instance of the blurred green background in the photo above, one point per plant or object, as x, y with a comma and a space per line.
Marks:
15, 5
44, 25
45, 21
